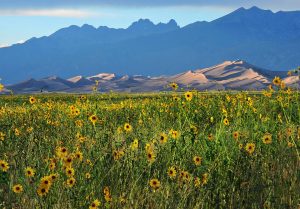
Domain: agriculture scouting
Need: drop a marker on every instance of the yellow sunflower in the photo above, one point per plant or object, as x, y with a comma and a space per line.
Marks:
32, 100
267, 138
70, 171
172, 172
151, 157
127, 127
42, 190
154, 183
95, 204
18, 188
4, 165
93, 119
250, 147
174, 134
29, 172
68, 161
2, 136
188, 95
71, 182
277, 81
226, 122
163, 138
174, 86
197, 160
46, 181
79, 155
197, 182
210, 137
236, 135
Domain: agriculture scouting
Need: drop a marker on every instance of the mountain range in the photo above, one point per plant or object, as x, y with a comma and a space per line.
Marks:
264, 38
229, 75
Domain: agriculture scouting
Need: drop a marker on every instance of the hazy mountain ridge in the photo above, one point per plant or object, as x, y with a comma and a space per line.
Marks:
232, 75
262, 37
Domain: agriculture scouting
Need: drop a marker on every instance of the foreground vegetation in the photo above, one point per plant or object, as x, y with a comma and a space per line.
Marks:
189, 150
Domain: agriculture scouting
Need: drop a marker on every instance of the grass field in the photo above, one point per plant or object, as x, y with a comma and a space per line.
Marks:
164, 150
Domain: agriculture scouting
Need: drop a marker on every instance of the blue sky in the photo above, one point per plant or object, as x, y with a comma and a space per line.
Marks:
21, 20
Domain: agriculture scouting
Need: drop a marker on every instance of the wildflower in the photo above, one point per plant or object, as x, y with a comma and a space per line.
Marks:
197, 160
188, 95
290, 144
53, 177
93, 119
149, 147
79, 155
127, 127
154, 183
151, 157
2, 136
174, 86
204, 178
32, 100
236, 135
250, 147
18, 188
46, 181
17, 132
135, 144
194, 129
68, 161
108, 197
240, 146
29, 172
276, 81
186, 176
174, 134
1, 87
106, 190
267, 139
163, 138
52, 166
71, 182
226, 122
70, 171
42, 190
210, 137
289, 132
95, 204
61, 152
197, 182
4, 165
79, 123
172, 172
87, 175
175, 98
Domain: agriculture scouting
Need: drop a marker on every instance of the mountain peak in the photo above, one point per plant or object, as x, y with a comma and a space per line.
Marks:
172, 22
141, 23
258, 10
88, 27
253, 9
147, 26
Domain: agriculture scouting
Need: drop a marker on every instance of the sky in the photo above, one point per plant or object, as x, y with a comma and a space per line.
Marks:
24, 19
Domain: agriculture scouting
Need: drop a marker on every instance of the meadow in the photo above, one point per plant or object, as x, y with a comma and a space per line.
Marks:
162, 150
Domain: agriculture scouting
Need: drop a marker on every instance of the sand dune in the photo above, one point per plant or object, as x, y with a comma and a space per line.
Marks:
236, 75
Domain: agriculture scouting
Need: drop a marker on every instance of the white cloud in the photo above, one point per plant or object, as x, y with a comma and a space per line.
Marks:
4, 45
8, 45
74, 13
